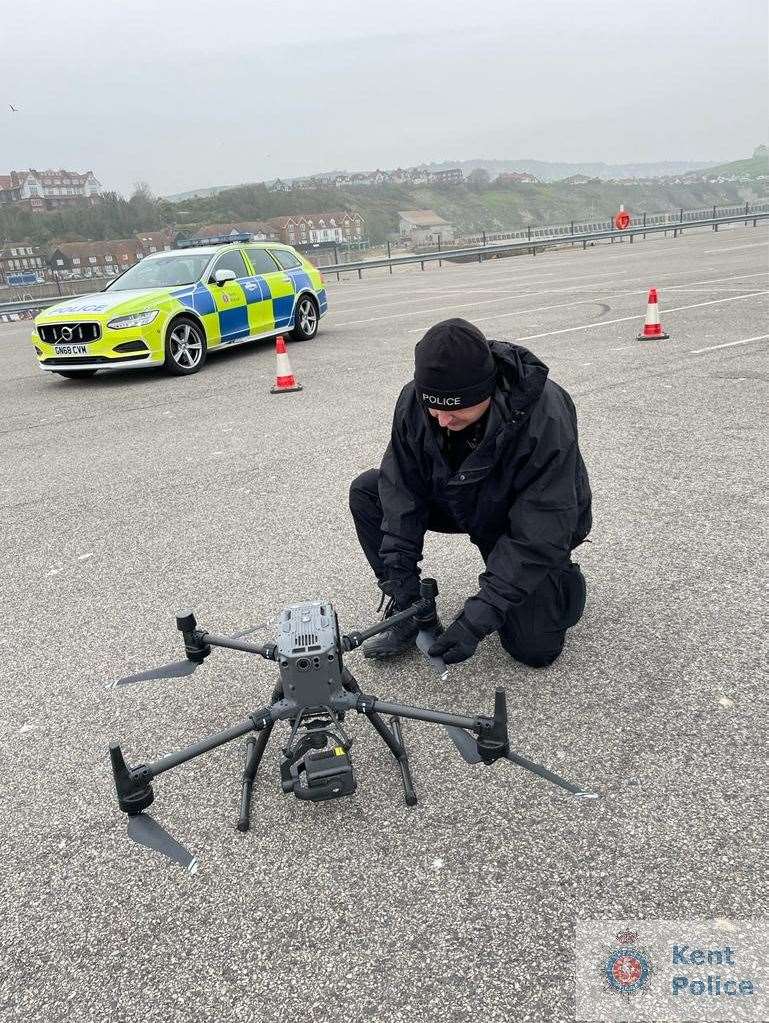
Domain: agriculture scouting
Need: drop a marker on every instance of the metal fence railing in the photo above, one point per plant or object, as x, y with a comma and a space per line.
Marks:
492, 246
639, 220
536, 239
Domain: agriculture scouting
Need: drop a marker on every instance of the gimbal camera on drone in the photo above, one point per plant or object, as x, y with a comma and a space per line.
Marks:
314, 693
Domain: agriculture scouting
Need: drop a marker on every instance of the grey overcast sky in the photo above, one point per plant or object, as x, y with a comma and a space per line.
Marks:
185, 94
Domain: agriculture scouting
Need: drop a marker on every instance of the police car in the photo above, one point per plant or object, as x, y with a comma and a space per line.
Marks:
171, 308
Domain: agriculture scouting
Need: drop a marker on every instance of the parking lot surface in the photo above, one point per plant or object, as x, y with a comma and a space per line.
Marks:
130, 495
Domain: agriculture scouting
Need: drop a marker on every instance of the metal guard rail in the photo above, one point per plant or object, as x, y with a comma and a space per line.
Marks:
478, 250
536, 243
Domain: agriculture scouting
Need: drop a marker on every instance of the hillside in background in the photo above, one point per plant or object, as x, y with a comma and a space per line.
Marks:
198, 193
469, 208
755, 166
542, 169
470, 211
547, 171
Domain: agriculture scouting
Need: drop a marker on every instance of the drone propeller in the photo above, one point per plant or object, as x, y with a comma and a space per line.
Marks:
147, 832
425, 639
465, 743
247, 632
177, 669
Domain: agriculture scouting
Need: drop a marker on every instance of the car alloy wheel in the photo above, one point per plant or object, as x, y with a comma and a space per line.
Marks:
185, 346
306, 319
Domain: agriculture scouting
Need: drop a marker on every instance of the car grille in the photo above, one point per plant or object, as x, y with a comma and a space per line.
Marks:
66, 333
91, 360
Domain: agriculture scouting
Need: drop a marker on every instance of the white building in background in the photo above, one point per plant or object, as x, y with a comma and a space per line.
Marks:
424, 227
41, 190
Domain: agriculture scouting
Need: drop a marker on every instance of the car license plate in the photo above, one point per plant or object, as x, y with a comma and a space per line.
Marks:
70, 350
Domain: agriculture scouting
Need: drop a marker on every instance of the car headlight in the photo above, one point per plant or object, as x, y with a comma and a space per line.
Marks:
133, 320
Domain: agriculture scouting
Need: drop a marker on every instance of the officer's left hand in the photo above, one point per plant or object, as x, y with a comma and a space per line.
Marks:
456, 644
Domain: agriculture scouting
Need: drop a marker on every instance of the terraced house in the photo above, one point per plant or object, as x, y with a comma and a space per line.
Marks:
320, 228
99, 259
20, 262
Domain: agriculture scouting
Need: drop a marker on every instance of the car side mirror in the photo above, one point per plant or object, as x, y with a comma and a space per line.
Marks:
222, 276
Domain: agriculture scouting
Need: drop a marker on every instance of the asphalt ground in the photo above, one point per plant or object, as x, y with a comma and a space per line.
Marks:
133, 494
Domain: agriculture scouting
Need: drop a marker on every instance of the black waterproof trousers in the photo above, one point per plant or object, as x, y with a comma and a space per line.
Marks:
533, 632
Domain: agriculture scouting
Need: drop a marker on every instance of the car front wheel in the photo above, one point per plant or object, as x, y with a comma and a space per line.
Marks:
305, 320
186, 348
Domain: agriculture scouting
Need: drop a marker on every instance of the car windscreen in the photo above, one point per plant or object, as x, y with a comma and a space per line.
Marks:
170, 271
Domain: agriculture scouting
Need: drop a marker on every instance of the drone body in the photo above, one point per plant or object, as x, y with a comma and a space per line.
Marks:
309, 653
313, 694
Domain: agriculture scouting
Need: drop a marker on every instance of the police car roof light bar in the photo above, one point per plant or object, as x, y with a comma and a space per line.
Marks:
224, 239
314, 693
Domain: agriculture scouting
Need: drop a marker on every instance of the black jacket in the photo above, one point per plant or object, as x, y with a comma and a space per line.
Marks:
523, 495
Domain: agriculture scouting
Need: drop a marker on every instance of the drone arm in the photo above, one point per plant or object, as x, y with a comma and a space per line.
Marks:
133, 784
267, 650
366, 704
423, 612
491, 745
254, 722
355, 639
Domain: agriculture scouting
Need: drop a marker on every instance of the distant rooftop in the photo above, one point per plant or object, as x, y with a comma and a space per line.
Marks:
422, 218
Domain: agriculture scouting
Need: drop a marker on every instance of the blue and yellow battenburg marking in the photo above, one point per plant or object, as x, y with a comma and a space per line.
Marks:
252, 305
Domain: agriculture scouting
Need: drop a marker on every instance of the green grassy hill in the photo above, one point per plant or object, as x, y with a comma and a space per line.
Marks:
756, 166
470, 211
500, 209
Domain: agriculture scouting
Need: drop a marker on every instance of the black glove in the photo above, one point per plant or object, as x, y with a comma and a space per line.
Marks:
457, 643
404, 590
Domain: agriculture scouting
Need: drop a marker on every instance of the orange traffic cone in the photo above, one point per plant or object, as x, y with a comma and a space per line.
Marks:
284, 379
652, 327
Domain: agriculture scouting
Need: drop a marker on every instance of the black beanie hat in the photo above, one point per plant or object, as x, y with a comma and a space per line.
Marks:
453, 366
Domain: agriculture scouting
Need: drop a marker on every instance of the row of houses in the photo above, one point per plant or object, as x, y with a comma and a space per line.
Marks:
39, 191
21, 263
369, 179
516, 178
300, 229
71, 260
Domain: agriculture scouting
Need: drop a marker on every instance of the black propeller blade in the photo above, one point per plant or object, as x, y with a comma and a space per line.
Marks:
425, 639
465, 743
176, 669
146, 831
576, 790
247, 632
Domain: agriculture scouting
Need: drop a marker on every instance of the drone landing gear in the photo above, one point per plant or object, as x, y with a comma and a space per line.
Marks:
255, 748
328, 773
392, 738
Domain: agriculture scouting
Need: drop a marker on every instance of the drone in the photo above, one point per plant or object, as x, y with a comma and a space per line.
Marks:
314, 693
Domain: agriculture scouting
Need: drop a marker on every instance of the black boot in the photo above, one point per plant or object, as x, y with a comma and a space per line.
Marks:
396, 640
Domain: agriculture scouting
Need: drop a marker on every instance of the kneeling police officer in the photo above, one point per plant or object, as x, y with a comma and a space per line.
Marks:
483, 443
